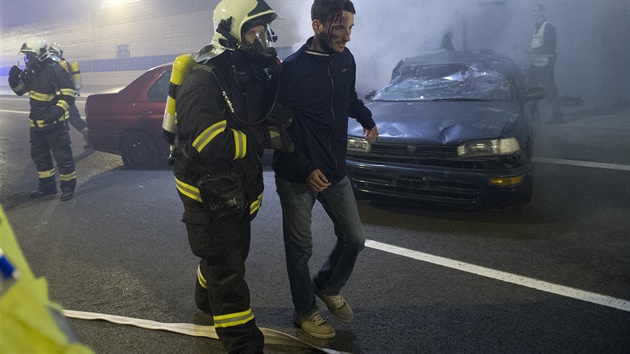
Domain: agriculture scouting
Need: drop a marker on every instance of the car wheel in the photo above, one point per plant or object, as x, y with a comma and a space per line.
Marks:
139, 151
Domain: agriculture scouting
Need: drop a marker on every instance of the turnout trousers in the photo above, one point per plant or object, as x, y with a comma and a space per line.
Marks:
223, 246
57, 141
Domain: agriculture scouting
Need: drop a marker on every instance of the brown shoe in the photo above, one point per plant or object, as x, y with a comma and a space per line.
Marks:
315, 325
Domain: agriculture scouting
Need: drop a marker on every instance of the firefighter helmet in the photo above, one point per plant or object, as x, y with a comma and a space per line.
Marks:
55, 49
35, 47
230, 17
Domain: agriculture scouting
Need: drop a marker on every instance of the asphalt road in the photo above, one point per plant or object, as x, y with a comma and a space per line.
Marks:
552, 278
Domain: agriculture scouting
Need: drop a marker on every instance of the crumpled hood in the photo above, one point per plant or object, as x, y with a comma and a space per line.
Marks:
440, 122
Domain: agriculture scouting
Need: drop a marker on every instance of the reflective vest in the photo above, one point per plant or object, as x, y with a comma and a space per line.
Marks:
537, 41
29, 321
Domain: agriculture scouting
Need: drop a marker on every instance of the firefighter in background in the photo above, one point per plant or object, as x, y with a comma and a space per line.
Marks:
51, 93
543, 60
219, 139
75, 119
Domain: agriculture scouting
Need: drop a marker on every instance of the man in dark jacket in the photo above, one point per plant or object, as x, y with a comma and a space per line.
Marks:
218, 145
319, 84
51, 93
543, 60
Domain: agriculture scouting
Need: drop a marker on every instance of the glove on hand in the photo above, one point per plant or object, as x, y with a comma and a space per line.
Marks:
14, 75
281, 116
53, 114
278, 139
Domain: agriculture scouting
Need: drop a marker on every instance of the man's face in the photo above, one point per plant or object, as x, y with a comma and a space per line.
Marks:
254, 34
334, 35
537, 14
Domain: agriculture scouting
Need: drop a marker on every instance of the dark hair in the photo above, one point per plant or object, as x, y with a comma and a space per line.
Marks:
540, 7
326, 10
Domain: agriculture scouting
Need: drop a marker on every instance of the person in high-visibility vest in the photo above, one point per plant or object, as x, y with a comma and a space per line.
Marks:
29, 321
543, 60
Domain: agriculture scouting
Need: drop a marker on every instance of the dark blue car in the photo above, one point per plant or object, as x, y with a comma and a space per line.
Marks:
456, 128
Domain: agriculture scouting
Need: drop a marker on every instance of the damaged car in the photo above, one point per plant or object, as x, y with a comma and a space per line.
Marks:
456, 128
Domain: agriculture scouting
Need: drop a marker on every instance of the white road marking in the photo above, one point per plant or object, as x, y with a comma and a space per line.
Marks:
574, 293
9, 111
609, 166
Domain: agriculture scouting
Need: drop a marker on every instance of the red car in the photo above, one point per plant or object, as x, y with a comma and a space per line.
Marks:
129, 122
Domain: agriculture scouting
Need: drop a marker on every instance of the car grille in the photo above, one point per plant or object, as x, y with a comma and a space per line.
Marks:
417, 155
414, 187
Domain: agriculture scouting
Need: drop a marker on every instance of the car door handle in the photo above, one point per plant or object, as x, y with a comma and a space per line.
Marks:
146, 112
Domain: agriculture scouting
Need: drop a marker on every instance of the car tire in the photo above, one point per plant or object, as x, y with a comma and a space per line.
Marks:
139, 151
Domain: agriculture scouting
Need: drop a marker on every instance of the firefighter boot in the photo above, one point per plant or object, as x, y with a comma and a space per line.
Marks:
43, 192
66, 194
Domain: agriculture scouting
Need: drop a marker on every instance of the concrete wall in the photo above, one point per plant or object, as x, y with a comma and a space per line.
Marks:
593, 38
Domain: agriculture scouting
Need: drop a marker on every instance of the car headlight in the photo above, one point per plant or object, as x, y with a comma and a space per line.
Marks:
490, 147
358, 144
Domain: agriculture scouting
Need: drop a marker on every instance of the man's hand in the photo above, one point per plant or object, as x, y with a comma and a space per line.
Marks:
316, 181
371, 134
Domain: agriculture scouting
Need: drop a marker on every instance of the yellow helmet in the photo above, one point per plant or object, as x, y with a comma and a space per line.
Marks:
230, 16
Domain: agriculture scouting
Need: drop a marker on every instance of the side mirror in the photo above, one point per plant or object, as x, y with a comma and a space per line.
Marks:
534, 94
370, 95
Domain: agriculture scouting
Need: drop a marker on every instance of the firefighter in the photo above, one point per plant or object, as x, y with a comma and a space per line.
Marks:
219, 139
75, 119
51, 94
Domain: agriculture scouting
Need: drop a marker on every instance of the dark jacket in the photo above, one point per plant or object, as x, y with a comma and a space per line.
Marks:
321, 90
213, 137
51, 93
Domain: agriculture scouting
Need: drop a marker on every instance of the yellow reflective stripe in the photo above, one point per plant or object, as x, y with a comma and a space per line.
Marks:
255, 205
233, 319
200, 278
41, 96
68, 92
240, 144
188, 190
68, 177
207, 135
46, 174
63, 104
40, 123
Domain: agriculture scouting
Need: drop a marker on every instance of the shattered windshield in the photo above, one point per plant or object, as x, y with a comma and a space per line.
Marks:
447, 82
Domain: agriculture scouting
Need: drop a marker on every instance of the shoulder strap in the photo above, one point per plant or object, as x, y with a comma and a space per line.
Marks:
211, 69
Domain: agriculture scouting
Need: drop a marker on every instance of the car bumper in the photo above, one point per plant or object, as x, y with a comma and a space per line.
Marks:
454, 187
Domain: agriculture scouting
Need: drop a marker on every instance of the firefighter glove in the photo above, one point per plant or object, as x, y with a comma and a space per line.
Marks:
281, 116
14, 75
278, 139
53, 114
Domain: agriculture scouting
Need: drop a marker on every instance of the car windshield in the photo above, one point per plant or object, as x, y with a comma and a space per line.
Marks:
449, 82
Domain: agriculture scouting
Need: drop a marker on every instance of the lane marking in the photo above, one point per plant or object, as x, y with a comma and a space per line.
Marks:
566, 291
271, 336
609, 166
9, 111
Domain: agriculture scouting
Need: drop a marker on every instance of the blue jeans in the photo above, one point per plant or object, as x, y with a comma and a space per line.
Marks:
339, 203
